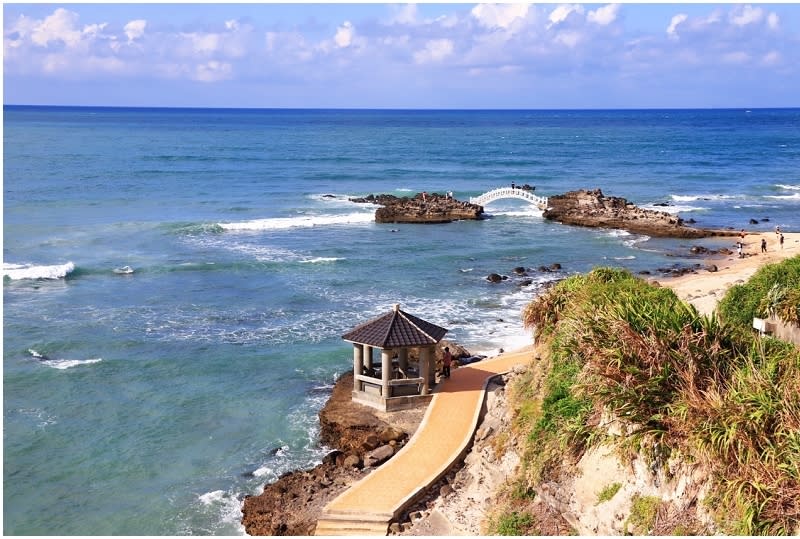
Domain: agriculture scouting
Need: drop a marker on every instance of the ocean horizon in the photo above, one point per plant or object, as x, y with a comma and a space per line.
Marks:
12, 106
177, 280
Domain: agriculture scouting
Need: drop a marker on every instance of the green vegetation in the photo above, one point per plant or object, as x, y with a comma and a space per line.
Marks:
643, 515
608, 492
705, 387
515, 523
744, 302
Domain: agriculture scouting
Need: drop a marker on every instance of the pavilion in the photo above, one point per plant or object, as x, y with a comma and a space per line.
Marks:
393, 384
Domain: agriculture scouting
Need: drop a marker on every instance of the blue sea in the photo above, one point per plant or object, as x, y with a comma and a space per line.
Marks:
150, 400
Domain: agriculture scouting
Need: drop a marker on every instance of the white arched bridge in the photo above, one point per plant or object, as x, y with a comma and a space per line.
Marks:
509, 192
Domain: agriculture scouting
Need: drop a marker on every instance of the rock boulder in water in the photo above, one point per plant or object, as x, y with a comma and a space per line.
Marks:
593, 209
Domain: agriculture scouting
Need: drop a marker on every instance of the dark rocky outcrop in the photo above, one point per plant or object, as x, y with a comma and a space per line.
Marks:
422, 208
593, 209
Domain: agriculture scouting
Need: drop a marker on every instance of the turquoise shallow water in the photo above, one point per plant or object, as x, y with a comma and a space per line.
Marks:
151, 402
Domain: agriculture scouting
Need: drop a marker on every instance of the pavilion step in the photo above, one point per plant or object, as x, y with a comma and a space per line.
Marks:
352, 524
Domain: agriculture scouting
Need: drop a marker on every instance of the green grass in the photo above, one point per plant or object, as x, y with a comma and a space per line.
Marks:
608, 492
643, 515
744, 302
514, 523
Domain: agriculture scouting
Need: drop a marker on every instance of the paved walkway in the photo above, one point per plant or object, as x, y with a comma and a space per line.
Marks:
368, 506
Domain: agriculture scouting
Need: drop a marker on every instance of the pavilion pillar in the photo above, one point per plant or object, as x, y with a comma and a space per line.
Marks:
424, 368
431, 364
358, 365
386, 372
402, 360
367, 357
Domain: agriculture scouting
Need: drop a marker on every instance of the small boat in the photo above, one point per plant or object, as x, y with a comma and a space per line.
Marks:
124, 270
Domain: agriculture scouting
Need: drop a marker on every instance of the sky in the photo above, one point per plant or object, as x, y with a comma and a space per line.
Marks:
418, 56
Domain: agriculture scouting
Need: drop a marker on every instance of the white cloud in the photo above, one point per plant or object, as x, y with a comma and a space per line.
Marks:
672, 29
60, 26
604, 15
201, 43
773, 21
570, 38
232, 24
93, 30
404, 14
344, 34
736, 57
744, 15
435, 50
213, 71
446, 21
499, 15
771, 58
561, 13
135, 29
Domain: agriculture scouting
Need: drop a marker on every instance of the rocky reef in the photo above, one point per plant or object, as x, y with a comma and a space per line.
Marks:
422, 208
593, 209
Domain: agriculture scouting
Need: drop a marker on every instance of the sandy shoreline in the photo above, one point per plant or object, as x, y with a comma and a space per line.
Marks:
705, 289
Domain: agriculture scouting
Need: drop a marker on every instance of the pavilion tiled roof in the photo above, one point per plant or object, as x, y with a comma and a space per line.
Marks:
394, 329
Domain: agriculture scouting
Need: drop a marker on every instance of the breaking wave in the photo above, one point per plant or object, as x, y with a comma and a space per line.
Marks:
62, 364
30, 271
284, 223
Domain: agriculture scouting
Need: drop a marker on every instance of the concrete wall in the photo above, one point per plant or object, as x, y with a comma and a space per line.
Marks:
786, 332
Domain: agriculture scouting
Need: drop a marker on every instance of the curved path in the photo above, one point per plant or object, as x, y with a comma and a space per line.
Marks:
444, 435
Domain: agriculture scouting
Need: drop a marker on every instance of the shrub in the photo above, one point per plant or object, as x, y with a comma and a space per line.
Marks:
608, 492
744, 302
643, 514
514, 523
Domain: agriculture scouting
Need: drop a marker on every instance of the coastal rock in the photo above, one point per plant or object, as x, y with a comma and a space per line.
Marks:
593, 209
494, 278
391, 434
422, 208
378, 456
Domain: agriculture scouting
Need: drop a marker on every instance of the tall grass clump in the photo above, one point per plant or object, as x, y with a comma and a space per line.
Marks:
744, 302
700, 384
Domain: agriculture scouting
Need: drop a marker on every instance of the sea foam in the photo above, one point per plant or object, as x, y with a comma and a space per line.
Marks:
673, 209
693, 198
62, 364
795, 196
283, 223
30, 271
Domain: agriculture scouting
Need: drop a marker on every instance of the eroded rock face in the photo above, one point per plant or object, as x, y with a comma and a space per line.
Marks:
427, 208
593, 209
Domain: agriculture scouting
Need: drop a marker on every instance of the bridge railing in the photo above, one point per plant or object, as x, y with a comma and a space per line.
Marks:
509, 192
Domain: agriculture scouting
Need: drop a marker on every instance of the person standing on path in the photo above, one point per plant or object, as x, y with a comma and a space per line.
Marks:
447, 359
781, 240
763, 245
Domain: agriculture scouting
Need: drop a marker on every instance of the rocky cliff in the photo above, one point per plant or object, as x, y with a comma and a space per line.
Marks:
422, 208
593, 209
